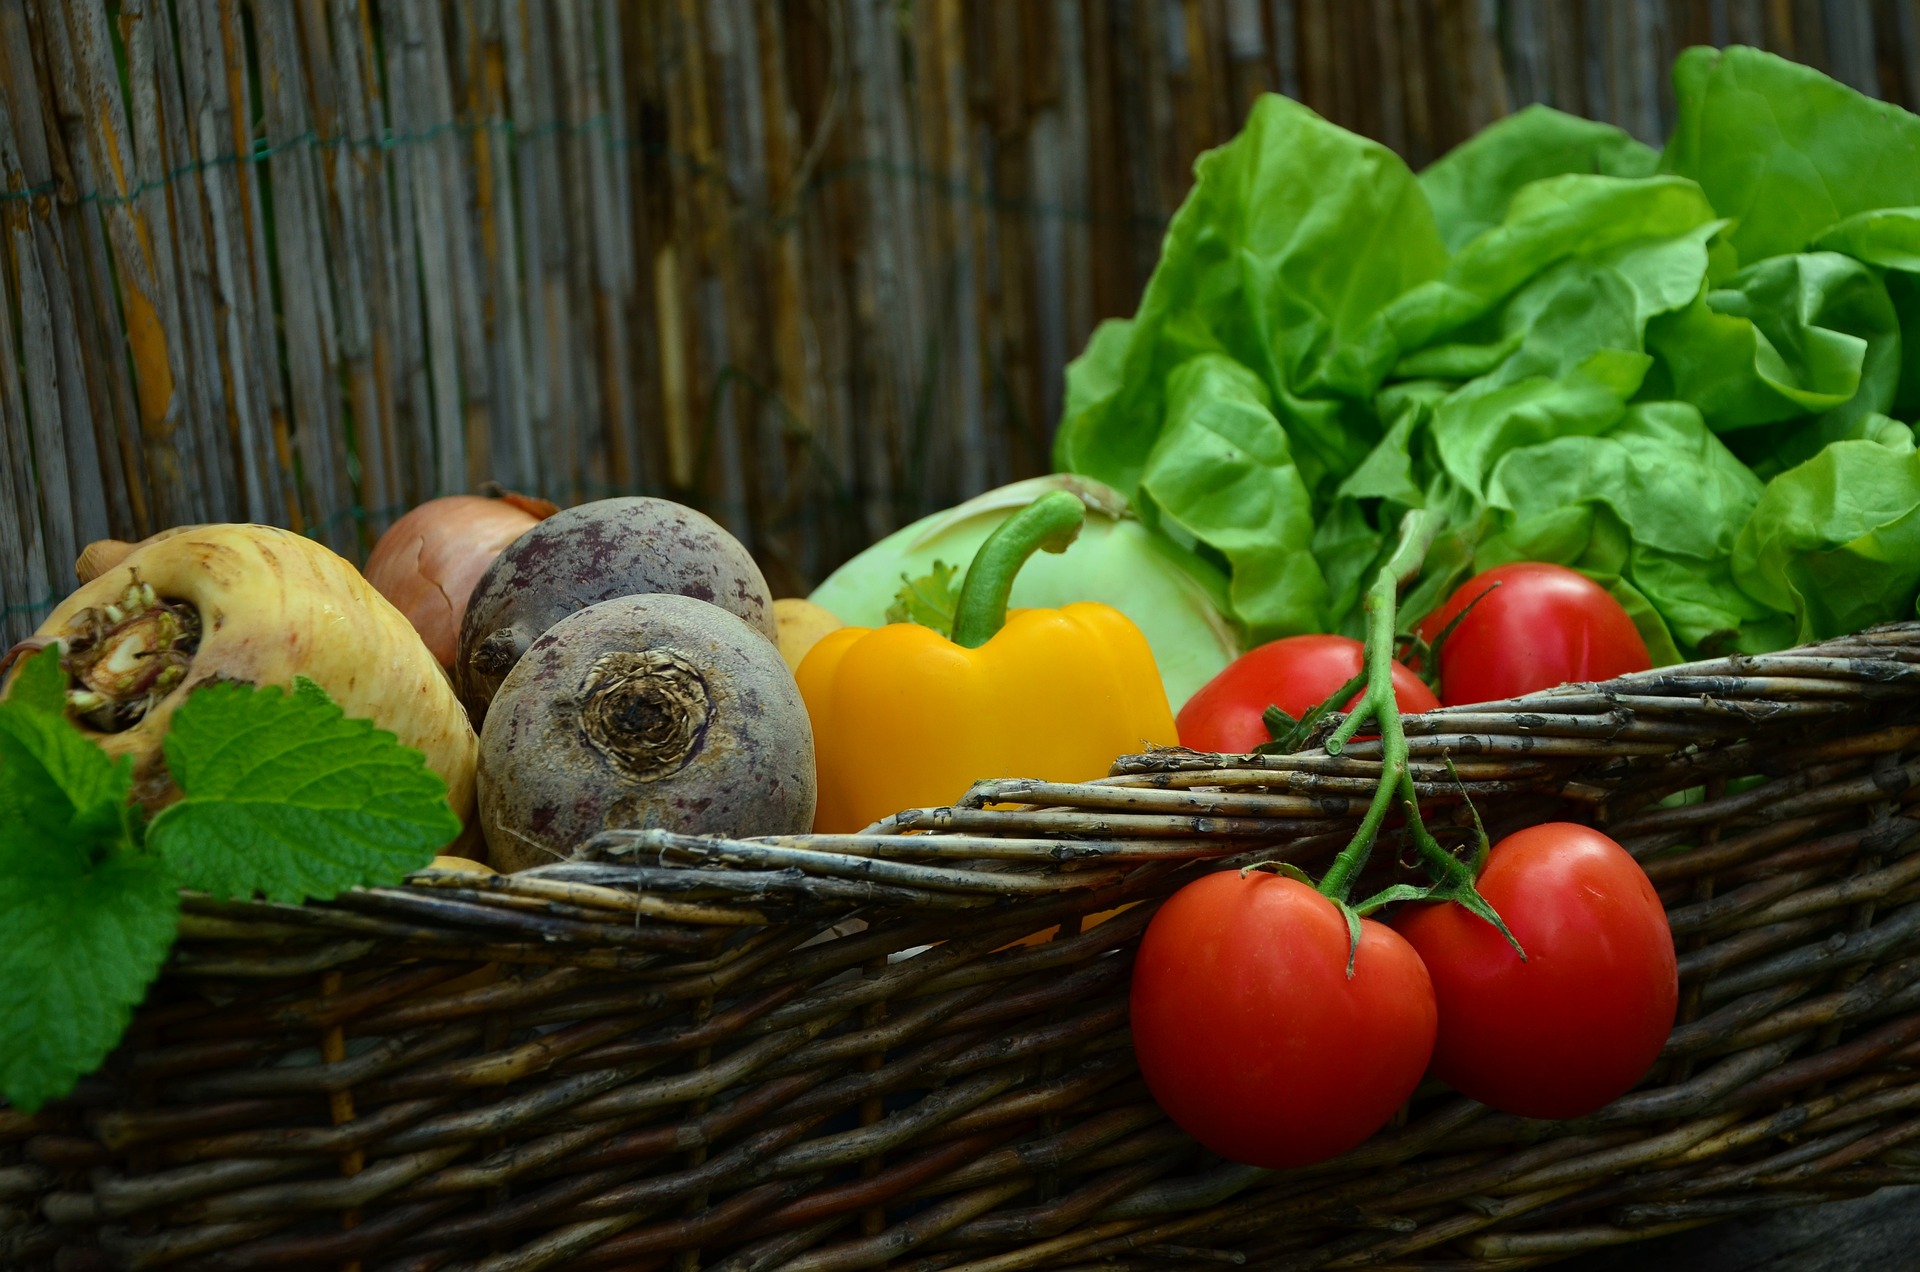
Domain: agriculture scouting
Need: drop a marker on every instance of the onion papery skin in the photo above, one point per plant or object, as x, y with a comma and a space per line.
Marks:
428, 562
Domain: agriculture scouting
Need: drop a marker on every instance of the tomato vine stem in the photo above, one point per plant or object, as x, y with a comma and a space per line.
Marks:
1453, 879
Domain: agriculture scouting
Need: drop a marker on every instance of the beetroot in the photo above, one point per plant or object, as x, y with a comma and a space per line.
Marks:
631, 546
644, 711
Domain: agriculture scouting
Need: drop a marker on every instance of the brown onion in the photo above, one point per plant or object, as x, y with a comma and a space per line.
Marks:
428, 561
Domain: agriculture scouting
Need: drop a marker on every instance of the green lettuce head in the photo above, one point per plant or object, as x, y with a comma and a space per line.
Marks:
1688, 374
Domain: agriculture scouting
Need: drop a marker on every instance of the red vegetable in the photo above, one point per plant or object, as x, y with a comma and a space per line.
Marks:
1535, 626
1296, 674
1250, 1033
1581, 1021
428, 562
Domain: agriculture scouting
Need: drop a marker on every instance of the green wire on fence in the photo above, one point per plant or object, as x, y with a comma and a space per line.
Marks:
957, 189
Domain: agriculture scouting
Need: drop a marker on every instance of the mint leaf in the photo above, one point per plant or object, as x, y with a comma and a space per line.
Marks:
79, 944
287, 797
929, 600
55, 784
40, 683
308, 690
85, 923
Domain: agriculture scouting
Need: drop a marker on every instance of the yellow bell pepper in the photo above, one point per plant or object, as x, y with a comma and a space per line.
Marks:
905, 718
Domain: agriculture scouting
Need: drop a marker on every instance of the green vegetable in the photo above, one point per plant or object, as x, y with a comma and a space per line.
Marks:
1224, 474
84, 928
1682, 374
1889, 240
1836, 541
1470, 186
283, 796
85, 921
929, 600
1785, 150
52, 780
1176, 599
1789, 337
1283, 258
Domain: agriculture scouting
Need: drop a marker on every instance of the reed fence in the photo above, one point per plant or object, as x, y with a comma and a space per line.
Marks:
813, 265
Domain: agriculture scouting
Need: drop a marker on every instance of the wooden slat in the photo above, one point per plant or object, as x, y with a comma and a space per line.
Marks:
25, 168
274, 445
515, 461
440, 133
609, 195
933, 402
350, 173
793, 349
172, 226
24, 586
417, 117
85, 83
124, 460
101, 479
305, 293
248, 425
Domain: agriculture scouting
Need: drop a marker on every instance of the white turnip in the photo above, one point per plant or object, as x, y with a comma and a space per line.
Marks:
253, 604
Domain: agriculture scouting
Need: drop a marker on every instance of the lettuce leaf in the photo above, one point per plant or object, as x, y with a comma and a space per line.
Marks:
1806, 334
1784, 150
1888, 239
1674, 489
1836, 540
1295, 236
1546, 223
1470, 187
1223, 474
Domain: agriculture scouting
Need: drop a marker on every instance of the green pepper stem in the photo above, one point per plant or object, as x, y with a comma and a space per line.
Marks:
1048, 524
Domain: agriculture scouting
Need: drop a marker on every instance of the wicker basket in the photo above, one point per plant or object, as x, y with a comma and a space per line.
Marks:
903, 1048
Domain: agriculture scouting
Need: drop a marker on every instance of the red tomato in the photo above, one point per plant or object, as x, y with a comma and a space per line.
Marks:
1249, 1033
1583, 1019
1544, 625
1296, 674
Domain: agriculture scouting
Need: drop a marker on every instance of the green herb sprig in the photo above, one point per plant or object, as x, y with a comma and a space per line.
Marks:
930, 600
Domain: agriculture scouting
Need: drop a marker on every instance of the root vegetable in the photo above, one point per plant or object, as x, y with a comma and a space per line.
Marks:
462, 865
644, 711
596, 552
801, 624
254, 604
428, 561
103, 554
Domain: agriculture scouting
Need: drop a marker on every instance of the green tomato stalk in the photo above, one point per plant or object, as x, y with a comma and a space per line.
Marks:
1453, 879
